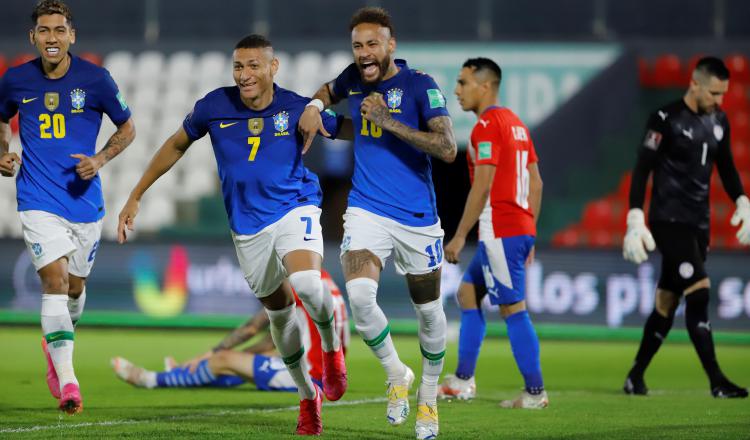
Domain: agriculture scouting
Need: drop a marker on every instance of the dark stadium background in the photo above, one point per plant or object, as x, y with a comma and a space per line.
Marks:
586, 146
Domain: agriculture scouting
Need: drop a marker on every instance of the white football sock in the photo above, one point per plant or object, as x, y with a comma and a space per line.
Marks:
432, 335
286, 336
319, 305
372, 325
75, 306
58, 332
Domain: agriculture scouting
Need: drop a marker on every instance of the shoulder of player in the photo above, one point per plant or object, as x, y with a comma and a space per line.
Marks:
290, 99
499, 118
420, 77
22, 72
667, 112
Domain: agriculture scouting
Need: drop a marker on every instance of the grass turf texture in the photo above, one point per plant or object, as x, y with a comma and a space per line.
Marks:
583, 380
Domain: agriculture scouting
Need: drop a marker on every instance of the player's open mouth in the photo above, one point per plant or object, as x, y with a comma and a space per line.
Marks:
53, 51
370, 68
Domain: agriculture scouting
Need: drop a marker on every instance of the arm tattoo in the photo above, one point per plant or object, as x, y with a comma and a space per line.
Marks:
424, 288
439, 141
244, 332
117, 143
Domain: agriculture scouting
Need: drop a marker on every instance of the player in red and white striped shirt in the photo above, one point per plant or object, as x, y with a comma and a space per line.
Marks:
505, 198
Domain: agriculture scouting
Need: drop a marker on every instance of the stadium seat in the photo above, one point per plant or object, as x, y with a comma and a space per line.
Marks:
180, 70
645, 73
120, 65
668, 71
690, 65
14, 124
336, 63
736, 98
285, 75
739, 67
568, 237
149, 67
307, 72
741, 153
740, 126
212, 66
600, 239
92, 57
597, 215
3, 65
22, 59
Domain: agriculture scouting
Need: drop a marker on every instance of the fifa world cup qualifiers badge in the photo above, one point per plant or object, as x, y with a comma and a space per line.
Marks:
77, 100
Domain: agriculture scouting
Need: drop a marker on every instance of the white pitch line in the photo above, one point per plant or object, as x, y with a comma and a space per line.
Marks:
228, 412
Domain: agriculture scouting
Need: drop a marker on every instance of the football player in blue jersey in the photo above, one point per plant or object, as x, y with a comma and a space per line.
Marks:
400, 121
272, 202
60, 99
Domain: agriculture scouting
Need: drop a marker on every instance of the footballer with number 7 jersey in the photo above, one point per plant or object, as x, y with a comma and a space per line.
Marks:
60, 99
505, 197
272, 202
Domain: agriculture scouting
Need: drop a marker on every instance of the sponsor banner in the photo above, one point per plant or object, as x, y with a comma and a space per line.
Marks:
537, 78
563, 286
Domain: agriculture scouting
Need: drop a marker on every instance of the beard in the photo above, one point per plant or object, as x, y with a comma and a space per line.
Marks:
382, 69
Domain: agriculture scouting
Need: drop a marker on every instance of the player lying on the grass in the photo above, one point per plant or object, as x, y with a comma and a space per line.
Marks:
505, 198
683, 141
60, 99
258, 363
272, 201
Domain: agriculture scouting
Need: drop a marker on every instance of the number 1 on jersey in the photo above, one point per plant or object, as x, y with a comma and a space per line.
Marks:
522, 179
254, 142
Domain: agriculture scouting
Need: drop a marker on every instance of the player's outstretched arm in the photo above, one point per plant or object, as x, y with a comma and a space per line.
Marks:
163, 160
7, 159
87, 167
475, 203
243, 333
439, 141
310, 123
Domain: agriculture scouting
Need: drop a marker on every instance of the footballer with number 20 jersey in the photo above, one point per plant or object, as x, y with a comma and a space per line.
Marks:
60, 117
501, 139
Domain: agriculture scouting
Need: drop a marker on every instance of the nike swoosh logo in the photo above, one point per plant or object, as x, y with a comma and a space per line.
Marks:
26, 101
308, 239
354, 92
223, 125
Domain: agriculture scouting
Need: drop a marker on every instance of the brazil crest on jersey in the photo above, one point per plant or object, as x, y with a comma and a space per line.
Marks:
392, 178
60, 117
259, 155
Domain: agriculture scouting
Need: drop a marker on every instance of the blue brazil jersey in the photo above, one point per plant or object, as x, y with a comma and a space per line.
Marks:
259, 155
60, 117
392, 178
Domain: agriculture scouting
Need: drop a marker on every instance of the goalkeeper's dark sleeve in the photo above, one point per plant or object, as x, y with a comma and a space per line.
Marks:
646, 161
730, 178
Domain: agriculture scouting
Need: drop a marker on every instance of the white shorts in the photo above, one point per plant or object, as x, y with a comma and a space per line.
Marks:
50, 237
416, 250
260, 255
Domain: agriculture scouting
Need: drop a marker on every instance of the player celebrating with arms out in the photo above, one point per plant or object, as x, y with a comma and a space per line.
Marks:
272, 203
505, 197
60, 98
392, 202
683, 141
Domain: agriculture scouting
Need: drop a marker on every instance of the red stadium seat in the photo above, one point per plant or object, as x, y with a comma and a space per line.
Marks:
568, 237
736, 98
601, 239
597, 216
92, 58
739, 123
690, 66
22, 58
3, 65
741, 153
14, 124
645, 73
739, 68
668, 71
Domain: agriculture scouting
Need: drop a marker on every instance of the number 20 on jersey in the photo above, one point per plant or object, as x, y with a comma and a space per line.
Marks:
52, 126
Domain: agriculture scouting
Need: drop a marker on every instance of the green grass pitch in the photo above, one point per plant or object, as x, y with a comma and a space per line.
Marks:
583, 380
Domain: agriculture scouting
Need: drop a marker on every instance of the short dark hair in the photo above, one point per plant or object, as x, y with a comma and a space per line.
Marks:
372, 15
481, 64
254, 41
712, 66
50, 7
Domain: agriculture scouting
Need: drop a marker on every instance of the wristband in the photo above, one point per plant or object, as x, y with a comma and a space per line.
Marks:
317, 103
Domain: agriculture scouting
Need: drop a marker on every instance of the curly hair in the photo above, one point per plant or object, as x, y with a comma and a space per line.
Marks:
50, 7
372, 15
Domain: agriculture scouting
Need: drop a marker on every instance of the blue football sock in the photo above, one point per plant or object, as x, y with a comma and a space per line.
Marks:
227, 381
182, 377
525, 346
473, 328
